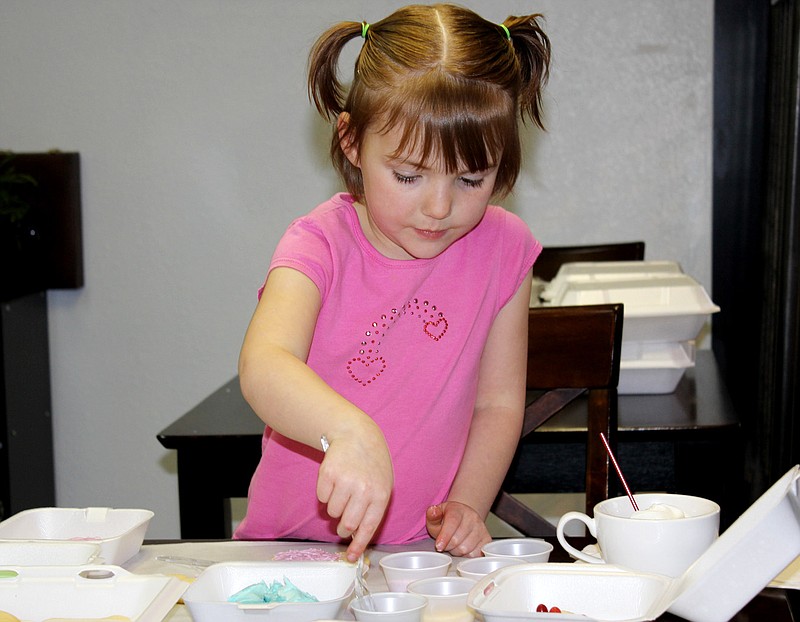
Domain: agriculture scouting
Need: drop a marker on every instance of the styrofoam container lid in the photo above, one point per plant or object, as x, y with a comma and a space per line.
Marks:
118, 532
36, 593
745, 558
739, 564
670, 307
599, 275
677, 294
330, 582
616, 270
45, 553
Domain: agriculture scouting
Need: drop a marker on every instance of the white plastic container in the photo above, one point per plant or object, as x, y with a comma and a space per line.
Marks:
392, 607
527, 549
39, 593
330, 582
653, 367
739, 564
118, 532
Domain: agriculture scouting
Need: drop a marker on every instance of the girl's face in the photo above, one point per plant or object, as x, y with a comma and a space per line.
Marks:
411, 211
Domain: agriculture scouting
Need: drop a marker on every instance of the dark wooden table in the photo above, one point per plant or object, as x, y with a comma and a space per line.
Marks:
219, 444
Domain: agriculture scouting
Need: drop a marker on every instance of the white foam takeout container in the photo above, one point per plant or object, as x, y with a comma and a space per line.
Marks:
43, 553
740, 563
331, 582
662, 303
37, 593
118, 532
648, 367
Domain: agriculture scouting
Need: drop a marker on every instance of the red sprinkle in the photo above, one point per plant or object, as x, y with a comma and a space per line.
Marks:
541, 608
555, 610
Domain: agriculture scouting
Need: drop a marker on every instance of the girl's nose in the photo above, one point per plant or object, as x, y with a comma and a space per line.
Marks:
438, 204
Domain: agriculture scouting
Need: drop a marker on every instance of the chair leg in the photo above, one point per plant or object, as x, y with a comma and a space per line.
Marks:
521, 517
602, 418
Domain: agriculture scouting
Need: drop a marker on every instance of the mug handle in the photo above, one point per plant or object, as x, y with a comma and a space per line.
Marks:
573, 552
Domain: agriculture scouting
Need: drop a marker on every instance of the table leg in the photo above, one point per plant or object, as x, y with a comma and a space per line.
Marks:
207, 480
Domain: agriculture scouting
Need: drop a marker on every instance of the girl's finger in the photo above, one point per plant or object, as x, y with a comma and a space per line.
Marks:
324, 489
361, 540
337, 502
450, 525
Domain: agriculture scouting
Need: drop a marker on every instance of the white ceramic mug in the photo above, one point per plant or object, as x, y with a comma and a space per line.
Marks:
666, 546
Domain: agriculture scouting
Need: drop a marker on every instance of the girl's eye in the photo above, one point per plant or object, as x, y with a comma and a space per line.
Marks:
472, 183
404, 179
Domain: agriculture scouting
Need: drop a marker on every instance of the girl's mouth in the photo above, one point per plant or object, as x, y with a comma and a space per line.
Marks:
431, 235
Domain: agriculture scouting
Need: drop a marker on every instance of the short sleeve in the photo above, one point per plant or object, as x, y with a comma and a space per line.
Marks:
519, 250
305, 248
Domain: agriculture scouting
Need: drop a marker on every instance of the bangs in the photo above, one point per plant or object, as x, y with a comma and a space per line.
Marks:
449, 124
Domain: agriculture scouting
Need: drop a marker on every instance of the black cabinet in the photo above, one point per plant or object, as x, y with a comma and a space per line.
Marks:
26, 440
40, 249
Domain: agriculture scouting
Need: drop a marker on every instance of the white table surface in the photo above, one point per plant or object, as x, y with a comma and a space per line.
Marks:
146, 562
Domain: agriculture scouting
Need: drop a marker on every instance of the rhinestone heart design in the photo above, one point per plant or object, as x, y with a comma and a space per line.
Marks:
368, 365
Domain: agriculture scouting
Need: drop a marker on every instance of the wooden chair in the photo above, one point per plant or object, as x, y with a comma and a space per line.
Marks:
571, 351
553, 257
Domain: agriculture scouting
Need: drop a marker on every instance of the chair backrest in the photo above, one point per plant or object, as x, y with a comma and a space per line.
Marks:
553, 257
571, 351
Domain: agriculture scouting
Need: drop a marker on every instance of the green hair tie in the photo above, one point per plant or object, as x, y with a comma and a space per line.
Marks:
364, 29
505, 29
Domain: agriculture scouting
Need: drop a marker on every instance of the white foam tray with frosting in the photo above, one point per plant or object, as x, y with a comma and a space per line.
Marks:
92, 592
118, 532
763, 541
331, 582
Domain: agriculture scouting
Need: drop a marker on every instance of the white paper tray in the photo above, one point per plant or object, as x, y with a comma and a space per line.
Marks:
330, 582
118, 532
742, 561
38, 593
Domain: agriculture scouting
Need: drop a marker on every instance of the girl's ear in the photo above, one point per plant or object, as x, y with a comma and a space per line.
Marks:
345, 140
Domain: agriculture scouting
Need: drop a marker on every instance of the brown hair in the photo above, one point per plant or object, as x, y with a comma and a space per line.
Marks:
454, 82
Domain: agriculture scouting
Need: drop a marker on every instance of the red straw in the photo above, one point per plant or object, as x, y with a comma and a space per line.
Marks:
619, 471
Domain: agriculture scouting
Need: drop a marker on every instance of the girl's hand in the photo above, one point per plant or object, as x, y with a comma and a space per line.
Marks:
355, 482
457, 529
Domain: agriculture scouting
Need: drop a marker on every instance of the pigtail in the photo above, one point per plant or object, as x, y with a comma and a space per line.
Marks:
324, 87
532, 48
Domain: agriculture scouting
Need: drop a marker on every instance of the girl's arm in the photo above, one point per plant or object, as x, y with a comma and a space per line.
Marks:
458, 525
355, 478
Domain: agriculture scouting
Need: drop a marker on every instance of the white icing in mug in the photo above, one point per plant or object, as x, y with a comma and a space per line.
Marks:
666, 545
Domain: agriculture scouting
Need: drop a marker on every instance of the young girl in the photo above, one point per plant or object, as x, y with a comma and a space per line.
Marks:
387, 352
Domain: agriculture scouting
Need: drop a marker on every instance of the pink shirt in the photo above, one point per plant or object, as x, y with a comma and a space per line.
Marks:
400, 339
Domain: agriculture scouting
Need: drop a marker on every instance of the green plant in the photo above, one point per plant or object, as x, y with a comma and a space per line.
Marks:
13, 208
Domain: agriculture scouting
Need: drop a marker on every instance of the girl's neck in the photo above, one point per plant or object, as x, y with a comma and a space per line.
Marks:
374, 236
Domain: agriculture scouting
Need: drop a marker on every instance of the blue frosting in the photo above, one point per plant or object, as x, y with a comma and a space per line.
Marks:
275, 592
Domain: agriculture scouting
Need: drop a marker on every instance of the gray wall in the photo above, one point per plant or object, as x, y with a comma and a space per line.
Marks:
198, 147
